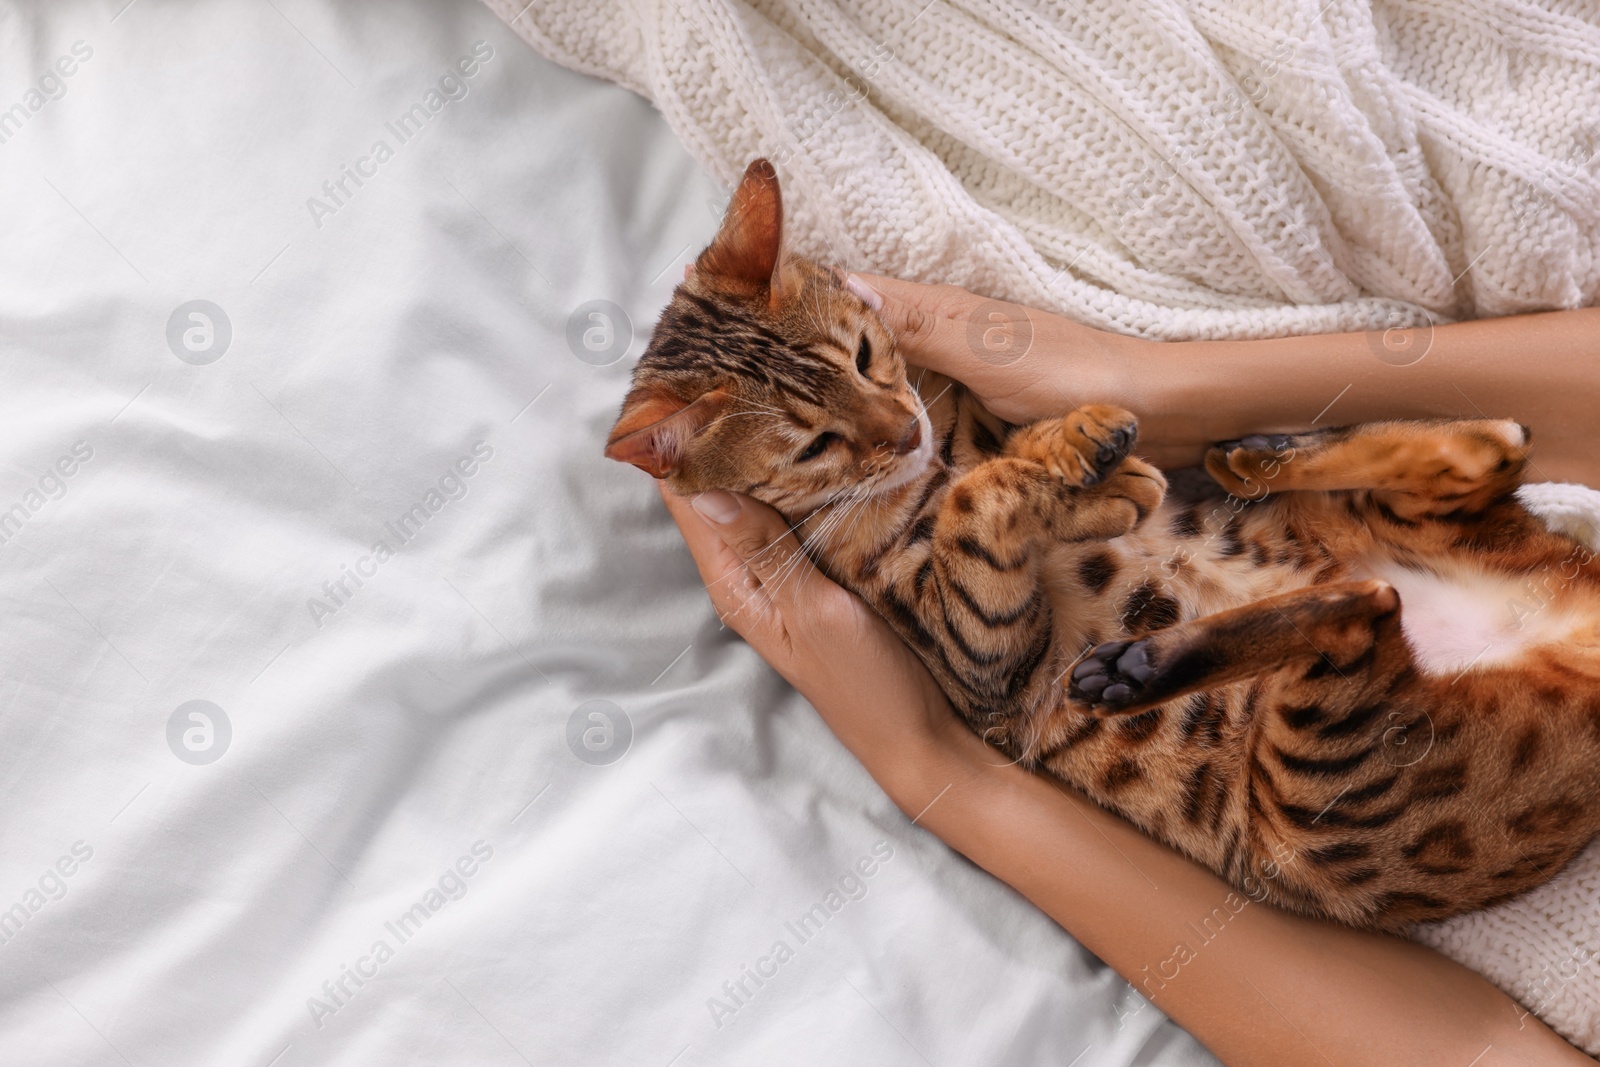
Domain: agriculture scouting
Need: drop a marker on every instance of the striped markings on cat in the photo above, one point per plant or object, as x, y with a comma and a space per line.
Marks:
1395, 741
1234, 504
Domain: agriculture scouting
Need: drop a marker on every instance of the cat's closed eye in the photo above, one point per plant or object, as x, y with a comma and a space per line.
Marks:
817, 447
864, 355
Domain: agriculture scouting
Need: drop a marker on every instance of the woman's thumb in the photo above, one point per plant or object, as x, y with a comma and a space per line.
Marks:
757, 534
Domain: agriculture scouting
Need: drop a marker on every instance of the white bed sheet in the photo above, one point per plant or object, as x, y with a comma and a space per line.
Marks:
406, 743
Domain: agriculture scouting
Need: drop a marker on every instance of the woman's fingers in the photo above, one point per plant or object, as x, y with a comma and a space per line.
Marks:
733, 587
756, 534
984, 344
929, 322
751, 564
818, 635
1024, 364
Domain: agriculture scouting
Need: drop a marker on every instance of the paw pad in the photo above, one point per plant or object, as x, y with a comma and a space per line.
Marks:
1112, 452
1112, 675
1257, 442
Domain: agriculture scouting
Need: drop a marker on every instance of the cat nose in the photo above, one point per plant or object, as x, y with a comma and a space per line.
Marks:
909, 440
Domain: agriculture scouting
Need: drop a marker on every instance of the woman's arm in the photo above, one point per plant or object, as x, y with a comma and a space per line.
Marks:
1256, 985
1543, 370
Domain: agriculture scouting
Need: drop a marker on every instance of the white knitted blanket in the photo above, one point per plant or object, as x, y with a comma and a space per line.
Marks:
1175, 170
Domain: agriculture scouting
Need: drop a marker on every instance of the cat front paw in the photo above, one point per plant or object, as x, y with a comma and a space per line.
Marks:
1112, 677
1140, 484
1081, 448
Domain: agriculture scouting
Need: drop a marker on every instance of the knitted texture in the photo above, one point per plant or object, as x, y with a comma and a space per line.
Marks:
1210, 169
1215, 169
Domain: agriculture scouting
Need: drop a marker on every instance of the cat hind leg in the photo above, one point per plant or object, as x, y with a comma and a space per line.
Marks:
1415, 469
1323, 629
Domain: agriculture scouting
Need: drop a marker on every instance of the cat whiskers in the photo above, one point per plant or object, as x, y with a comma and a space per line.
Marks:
811, 304
846, 503
876, 501
769, 412
927, 404
787, 567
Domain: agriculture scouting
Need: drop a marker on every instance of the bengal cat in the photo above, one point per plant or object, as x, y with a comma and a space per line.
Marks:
1229, 665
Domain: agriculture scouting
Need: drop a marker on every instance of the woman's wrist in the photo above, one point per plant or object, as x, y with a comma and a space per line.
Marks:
1189, 394
1171, 387
929, 763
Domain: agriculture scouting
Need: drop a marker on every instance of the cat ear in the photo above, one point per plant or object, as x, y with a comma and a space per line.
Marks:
656, 425
748, 249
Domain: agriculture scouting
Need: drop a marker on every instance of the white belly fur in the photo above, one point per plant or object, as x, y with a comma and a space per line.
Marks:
1458, 616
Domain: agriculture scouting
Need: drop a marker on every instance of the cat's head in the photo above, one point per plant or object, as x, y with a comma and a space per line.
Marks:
766, 376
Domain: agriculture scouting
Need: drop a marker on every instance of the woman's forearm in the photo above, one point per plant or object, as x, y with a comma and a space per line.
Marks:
1306, 991
1543, 370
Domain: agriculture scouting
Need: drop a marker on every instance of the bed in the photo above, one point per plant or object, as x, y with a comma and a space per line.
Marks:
358, 711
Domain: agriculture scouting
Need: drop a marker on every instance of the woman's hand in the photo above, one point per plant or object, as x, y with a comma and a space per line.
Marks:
1022, 363
1026, 364
865, 682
